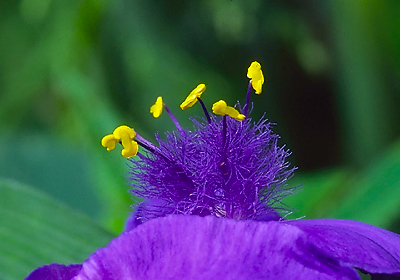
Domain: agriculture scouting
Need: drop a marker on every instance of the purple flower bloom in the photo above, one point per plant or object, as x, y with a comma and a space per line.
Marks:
213, 209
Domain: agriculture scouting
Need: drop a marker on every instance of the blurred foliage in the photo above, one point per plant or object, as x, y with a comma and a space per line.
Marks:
71, 71
31, 236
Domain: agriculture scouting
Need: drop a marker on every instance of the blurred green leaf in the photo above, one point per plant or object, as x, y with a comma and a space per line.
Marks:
53, 166
320, 191
37, 230
363, 93
88, 124
374, 194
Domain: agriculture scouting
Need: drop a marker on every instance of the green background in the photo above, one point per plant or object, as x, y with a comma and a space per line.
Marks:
71, 71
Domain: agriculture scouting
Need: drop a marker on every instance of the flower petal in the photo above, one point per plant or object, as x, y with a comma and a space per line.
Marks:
192, 247
366, 247
55, 272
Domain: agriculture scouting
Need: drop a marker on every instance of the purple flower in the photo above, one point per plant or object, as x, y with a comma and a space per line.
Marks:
213, 209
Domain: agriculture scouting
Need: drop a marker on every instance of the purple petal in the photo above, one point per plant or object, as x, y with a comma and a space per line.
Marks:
192, 247
366, 247
55, 272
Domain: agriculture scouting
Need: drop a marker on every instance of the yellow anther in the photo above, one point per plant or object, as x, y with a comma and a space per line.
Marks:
126, 135
109, 142
256, 75
124, 131
220, 108
123, 134
192, 97
157, 108
130, 148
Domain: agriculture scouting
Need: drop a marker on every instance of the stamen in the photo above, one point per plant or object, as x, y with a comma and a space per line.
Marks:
224, 127
124, 131
109, 142
130, 148
143, 142
256, 75
124, 135
204, 109
193, 97
174, 120
156, 109
221, 108
224, 168
247, 104
147, 144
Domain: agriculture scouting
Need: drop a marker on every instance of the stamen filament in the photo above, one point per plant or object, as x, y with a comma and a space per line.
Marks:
149, 146
224, 133
174, 120
247, 104
224, 168
204, 110
146, 144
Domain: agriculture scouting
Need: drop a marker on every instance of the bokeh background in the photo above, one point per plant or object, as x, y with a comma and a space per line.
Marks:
71, 71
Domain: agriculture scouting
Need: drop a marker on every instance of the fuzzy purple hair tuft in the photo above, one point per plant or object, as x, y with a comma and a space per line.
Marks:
236, 172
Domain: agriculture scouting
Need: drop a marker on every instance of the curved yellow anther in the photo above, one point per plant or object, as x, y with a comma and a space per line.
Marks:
192, 97
126, 135
157, 108
123, 134
220, 108
256, 75
109, 142
130, 148
123, 131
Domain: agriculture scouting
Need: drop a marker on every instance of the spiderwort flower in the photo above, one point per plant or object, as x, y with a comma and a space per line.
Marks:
212, 210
